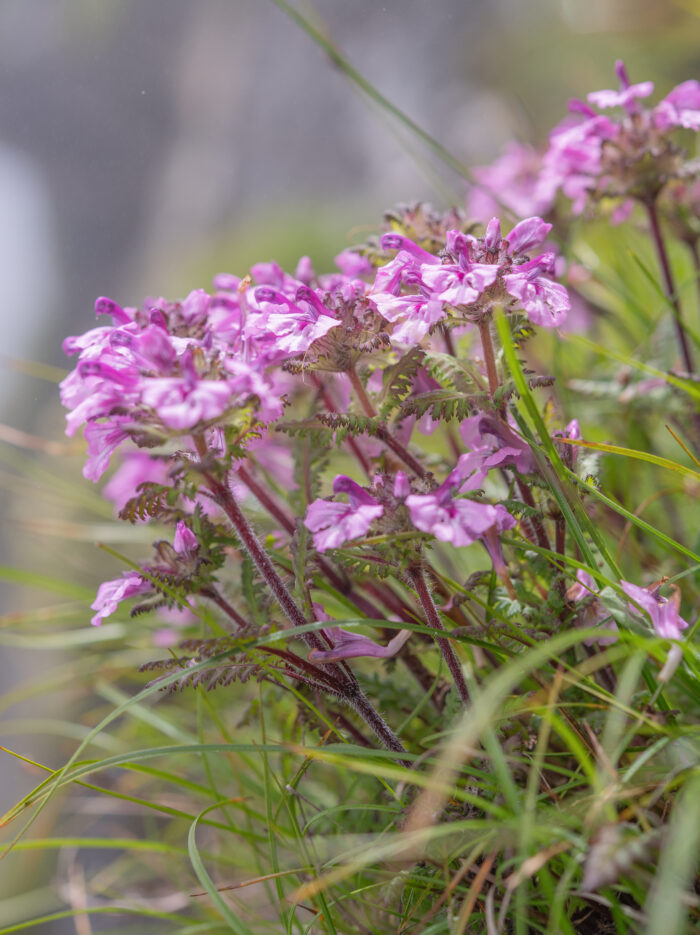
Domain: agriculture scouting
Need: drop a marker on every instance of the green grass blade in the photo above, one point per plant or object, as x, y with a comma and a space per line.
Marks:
229, 916
666, 910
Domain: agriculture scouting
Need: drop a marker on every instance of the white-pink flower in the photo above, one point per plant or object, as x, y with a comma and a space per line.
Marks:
110, 594
333, 524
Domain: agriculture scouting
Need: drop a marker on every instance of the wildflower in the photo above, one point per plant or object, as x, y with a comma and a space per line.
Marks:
136, 467
629, 155
293, 326
592, 612
497, 442
111, 593
416, 289
680, 108
350, 645
663, 611
185, 542
457, 520
165, 368
332, 524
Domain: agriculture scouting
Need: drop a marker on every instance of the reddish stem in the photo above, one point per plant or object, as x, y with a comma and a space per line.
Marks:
671, 293
224, 605
346, 685
351, 443
433, 619
382, 431
538, 528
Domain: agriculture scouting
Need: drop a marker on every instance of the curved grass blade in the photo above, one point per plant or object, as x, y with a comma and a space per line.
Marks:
232, 920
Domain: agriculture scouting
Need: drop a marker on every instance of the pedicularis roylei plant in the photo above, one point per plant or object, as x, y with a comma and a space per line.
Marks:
412, 468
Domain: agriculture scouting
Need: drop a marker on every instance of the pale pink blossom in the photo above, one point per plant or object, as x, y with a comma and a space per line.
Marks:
333, 524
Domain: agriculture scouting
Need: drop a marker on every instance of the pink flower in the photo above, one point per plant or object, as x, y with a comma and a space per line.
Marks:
626, 97
291, 326
416, 289
496, 442
351, 263
593, 613
185, 542
181, 403
629, 155
111, 593
350, 645
335, 523
459, 521
137, 467
545, 301
680, 108
663, 611
527, 234
103, 439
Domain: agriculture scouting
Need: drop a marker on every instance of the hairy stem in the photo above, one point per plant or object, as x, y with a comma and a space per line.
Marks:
433, 620
383, 432
347, 686
350, 441
671, 293
537, 526
261, 559
265, 500
224, 605
489, 356
339, 582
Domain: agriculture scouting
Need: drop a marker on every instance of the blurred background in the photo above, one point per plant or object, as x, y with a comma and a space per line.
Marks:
146, 145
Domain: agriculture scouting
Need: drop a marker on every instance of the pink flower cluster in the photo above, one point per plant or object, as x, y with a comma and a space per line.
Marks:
417, 289
441, 513
627, 152
172, 368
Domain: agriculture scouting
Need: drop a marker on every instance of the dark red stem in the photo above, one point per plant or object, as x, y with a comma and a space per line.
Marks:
671, 293
433, 619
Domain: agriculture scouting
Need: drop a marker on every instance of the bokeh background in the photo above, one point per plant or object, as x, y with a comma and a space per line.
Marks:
147, 144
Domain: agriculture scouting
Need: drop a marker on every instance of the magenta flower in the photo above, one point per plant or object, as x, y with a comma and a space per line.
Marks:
335, 523
545, 301
496, 442
291, 326
350, 645
103, 439
181, 403
353, 264
573, 162
628, 155
456, 520
593, 613
680, 108
136, 467
416, 290
111, 593
663, 611
626, 97
185, 542
400, 293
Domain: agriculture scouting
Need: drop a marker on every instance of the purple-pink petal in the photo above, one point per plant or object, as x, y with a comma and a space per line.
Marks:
111, 593
545, 302
662, 611
350, 645
527, 234
185, 542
